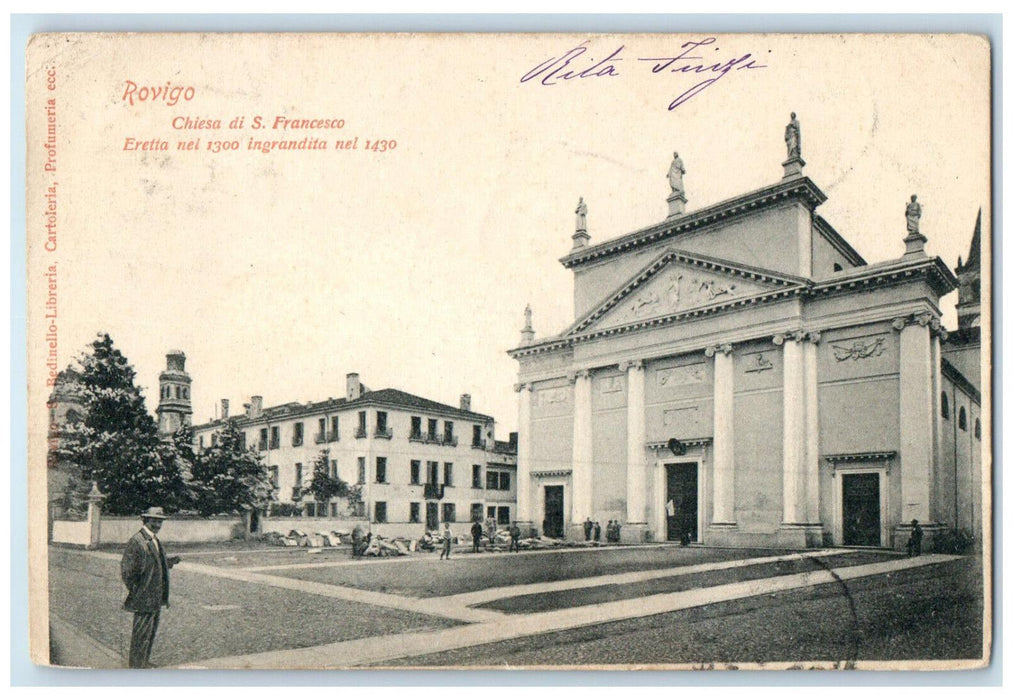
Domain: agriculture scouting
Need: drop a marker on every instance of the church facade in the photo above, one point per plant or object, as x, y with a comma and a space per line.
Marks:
740, 375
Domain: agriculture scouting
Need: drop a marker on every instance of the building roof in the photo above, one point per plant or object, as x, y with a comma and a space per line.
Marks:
959, 380
383, 398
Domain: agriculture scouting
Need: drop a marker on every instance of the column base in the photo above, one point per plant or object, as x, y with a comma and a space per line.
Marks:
722, 535
633, 533
902, 532
800, 535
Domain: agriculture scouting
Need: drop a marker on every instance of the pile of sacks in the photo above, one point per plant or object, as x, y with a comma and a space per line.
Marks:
300, 538
383, 547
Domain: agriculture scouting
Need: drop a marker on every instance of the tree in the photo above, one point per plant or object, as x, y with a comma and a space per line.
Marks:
117, 442
324, 486
228, 477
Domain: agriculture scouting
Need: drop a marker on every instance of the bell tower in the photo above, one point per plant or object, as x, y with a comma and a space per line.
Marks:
174, 408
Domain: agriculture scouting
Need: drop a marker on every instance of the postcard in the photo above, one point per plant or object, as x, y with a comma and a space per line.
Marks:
526, 351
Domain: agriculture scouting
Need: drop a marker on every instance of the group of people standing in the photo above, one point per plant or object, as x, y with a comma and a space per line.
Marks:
592, 531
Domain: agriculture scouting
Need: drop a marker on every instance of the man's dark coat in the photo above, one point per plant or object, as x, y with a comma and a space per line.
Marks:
146, 575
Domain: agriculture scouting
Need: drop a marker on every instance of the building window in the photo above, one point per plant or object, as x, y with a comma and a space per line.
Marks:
432, 429
381, 425
334, 435
432, 473
504, 481
492, 480
200, 443
448, 433
503, 516
977, 428
416, 433
476, 512
476, 476
263, 439
362, 470
380, 512
448, 474
416, 471
177, 392
381, 470
491, 512
944, 405
242, 442
273, 472
414, 513
837, 267
476, 436
297, 434
962, 419
334, 510
275, 437
334, 469
321, 435
214, 439
360, 432
449, 513
298, 474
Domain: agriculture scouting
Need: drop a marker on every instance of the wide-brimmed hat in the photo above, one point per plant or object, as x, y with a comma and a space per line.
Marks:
154, 512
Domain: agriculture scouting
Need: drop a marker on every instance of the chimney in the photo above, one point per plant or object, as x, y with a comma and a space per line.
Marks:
465, 402
256, 406
225, 409
246, 410
353, 389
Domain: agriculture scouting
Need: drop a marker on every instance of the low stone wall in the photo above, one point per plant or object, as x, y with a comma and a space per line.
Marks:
117, 530
76, 532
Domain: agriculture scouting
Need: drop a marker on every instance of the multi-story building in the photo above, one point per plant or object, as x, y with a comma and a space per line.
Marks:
417, 462
740, 374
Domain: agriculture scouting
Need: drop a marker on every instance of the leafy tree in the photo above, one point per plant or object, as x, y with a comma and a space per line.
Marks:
227, 476
117, 443
324, 486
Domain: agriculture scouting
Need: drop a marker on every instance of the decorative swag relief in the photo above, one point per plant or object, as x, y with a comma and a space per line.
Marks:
548, 397
860, 349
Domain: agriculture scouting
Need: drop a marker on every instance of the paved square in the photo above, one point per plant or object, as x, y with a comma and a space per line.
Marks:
270, 608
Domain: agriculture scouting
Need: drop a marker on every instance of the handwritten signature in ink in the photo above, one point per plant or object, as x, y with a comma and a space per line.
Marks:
572, 65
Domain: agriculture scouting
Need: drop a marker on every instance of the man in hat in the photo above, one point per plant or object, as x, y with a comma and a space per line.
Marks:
145, 572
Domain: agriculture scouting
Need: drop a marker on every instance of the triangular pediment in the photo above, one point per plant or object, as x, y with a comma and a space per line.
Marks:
677, 282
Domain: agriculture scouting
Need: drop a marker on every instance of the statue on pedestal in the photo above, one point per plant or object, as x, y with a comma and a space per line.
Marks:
581, 216
675, 173
793, 138
913, 212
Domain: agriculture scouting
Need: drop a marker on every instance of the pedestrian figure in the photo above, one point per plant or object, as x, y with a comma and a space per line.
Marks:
357, 540
686, 539
588, 527
515, 539
145, 572
597, 531
476, 536
618, 531
914, 543
447, 537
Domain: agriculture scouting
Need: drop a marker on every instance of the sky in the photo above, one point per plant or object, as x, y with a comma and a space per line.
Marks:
278, 273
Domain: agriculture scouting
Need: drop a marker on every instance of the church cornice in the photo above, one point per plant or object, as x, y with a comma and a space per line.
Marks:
860, 279
799, 188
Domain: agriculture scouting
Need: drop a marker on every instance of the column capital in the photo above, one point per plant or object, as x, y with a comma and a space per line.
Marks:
631, 364
814, 337
796, 335
899, 323
573, 375
725, 348
523, 386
